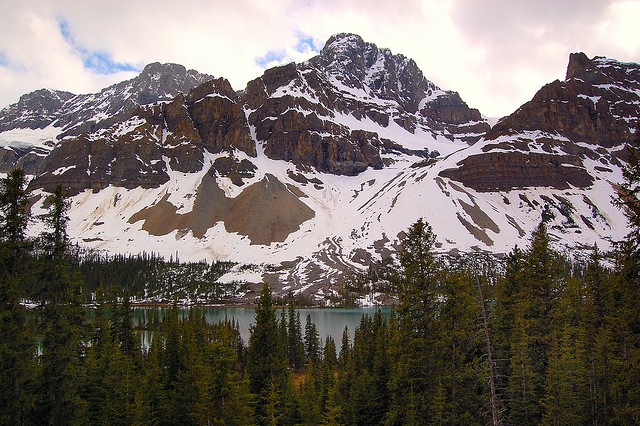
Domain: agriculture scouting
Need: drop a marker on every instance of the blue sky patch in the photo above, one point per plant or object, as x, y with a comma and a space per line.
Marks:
97, 61
307, 43
4, 59
271, 57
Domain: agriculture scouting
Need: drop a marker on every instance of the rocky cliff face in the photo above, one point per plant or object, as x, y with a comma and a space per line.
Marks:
596, 104
140, 151
588, 117
336, 113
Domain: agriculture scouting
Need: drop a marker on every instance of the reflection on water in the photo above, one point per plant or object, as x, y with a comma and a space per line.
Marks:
328, 321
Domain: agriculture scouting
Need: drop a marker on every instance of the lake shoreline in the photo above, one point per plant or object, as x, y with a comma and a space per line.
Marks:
244, 305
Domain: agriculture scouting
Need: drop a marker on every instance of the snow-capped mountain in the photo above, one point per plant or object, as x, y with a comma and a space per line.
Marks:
319, 167
32, 126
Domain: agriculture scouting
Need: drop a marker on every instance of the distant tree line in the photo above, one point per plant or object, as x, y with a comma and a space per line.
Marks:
147, 276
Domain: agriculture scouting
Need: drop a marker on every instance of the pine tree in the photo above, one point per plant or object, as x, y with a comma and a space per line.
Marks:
345, 349
121, 385
63, 316
123, 328
333, 413
13, 205
266, 363
419, 303
542, 281
311, 395
295, 345
311, 341
628, 195
597, 282
460, 349
567, 396
17, 347
623, 315
154, 393
523, 383
508, 287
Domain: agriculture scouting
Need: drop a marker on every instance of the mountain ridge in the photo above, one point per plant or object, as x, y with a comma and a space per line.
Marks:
316, 169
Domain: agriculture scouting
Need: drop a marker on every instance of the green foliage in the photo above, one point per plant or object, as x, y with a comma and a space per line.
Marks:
148, 277
267, 362
13, 207
17, 346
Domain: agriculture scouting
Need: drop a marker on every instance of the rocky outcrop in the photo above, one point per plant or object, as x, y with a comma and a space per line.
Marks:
545, 141
363, 66
35, 110
133, 153
300, 130
97, 162
504, 171
28, 159
596, 104
234, 169
298, 110
219, 118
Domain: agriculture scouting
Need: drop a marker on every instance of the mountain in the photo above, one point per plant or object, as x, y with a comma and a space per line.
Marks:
31, 127
318, 168
568, 135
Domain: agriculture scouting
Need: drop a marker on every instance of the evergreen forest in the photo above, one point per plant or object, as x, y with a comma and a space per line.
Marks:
543, 339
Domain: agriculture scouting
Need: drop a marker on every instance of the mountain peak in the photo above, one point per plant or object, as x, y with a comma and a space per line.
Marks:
579, 65
601, 71
34, 110
342, 42
156, 67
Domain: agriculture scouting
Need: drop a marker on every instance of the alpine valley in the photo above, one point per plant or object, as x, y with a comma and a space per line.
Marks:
316, 169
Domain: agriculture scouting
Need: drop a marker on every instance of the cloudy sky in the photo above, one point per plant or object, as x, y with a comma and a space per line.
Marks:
495, 53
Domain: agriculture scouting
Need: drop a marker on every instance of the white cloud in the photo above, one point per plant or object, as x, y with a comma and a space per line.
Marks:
496, 53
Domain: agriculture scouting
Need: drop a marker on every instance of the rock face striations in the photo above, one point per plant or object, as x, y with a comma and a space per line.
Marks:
588, 117
35, 110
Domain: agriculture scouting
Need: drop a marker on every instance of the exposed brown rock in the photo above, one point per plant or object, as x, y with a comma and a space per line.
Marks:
95, 163
234, 169
265, 212
29, 160
219, 118
597, 104
503, 171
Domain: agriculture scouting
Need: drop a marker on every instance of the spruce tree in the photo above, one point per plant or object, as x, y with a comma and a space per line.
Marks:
623, 315
542, 281
17, 348
63, 317
266, 363
597, 288
311, 341
419, 299
295, 344
567, 397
